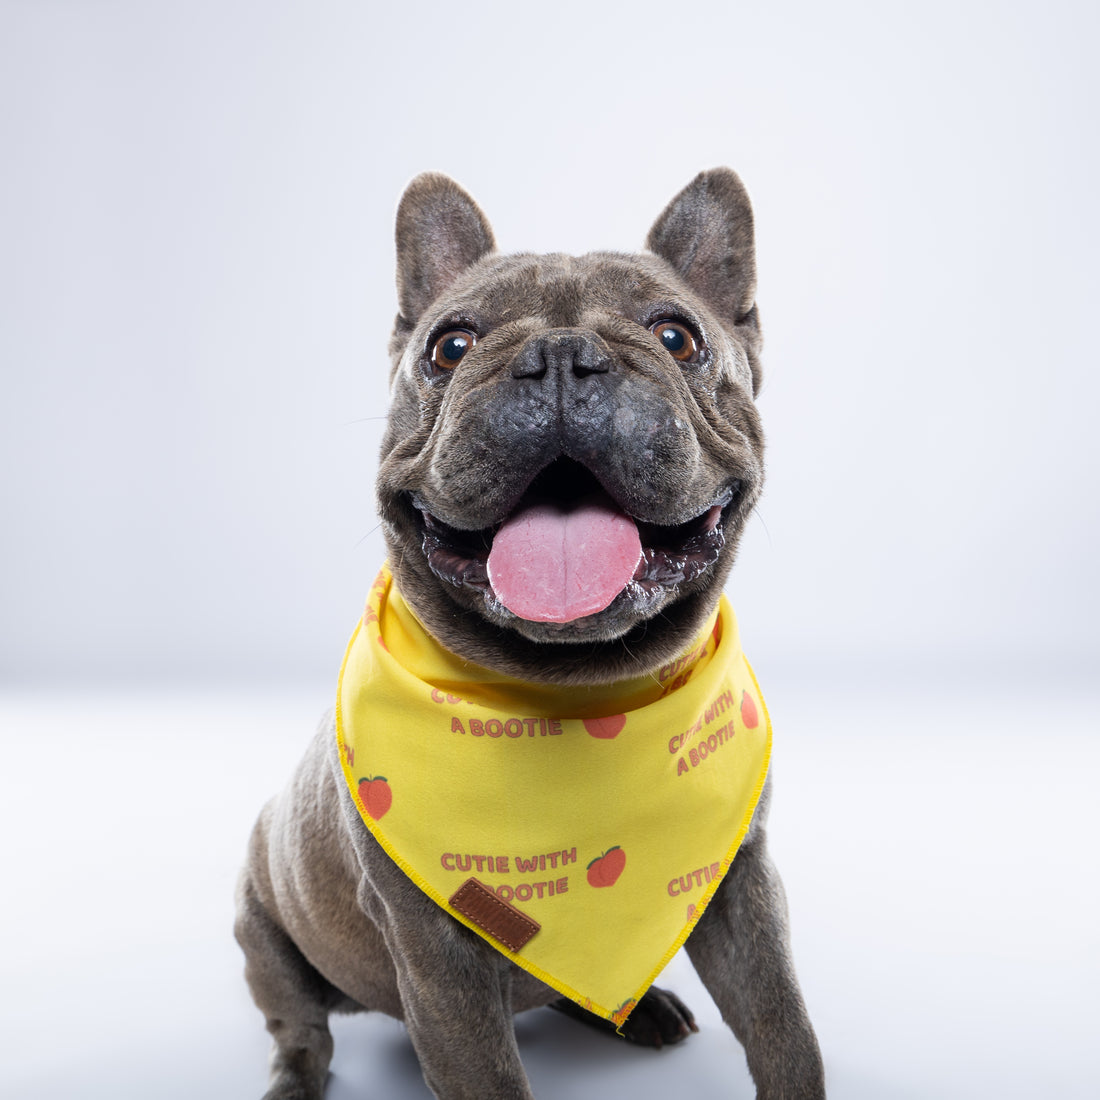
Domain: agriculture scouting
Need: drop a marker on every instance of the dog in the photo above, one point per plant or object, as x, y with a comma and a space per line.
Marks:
571, 454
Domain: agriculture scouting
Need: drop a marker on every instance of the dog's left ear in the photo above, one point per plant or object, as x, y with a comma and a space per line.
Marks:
706, 234
440, 232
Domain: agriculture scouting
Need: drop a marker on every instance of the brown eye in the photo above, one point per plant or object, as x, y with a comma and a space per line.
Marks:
451, 347
678, 340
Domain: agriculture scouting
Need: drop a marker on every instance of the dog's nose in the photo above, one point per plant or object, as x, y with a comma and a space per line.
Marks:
562, 353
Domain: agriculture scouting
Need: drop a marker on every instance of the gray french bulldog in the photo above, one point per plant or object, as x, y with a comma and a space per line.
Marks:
624, 379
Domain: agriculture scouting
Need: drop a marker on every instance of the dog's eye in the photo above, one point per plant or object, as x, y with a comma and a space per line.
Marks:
451, 347
677, 339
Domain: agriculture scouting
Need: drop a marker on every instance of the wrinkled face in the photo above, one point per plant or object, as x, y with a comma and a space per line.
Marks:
573, 447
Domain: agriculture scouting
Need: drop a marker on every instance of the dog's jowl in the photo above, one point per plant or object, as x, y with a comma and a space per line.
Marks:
571, 455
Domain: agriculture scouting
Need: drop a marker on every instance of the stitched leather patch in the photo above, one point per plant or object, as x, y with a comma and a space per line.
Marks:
502, 921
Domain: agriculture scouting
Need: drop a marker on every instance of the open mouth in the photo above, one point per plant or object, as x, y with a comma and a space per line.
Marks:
569, 550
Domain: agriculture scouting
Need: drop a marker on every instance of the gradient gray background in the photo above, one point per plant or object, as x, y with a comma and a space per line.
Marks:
196, 282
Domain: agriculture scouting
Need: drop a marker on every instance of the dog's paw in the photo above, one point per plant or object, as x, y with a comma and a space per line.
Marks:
291, 1092
659, 1019
293, 1087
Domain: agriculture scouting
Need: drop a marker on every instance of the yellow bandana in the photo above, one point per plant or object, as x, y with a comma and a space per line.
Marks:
580, 831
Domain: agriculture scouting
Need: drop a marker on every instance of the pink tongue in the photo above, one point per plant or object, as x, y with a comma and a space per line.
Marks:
553, 565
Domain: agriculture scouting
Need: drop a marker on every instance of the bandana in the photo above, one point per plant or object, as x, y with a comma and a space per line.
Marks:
581, 831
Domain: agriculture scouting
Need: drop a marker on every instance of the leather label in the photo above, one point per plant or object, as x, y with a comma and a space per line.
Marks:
493, 915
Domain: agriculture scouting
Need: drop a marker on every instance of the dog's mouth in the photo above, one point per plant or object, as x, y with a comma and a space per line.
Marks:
569, 550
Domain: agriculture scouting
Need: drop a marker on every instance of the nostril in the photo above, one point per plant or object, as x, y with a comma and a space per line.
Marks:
529, 363
583, 354
582, 369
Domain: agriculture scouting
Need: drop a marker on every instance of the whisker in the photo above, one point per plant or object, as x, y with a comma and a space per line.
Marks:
760, 516
652, 675
376, 527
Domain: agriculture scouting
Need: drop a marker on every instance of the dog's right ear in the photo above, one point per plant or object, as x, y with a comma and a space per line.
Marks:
440, 232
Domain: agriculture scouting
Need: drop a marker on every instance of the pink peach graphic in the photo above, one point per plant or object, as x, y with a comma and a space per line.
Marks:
376, 796
748, 711
605, 728
605, 870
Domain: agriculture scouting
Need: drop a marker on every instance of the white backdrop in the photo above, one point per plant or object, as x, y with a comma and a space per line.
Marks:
197, 288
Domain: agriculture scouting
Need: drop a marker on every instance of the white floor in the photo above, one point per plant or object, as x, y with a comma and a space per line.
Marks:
939, 851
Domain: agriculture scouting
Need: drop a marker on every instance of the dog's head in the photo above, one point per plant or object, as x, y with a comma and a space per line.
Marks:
572, 448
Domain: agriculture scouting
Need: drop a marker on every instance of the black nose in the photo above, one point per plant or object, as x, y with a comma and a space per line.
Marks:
562, 353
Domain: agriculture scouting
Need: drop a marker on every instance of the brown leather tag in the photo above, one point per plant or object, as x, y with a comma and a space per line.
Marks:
502, 921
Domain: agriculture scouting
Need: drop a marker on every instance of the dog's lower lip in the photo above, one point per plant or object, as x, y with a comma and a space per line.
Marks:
458, 557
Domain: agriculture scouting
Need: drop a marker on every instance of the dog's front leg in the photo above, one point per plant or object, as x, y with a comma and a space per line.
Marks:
456, 994
741, 951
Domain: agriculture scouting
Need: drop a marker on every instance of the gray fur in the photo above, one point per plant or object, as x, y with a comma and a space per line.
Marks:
565, 375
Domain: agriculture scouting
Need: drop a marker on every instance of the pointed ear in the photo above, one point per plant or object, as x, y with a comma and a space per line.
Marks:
440, 232
706, 234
